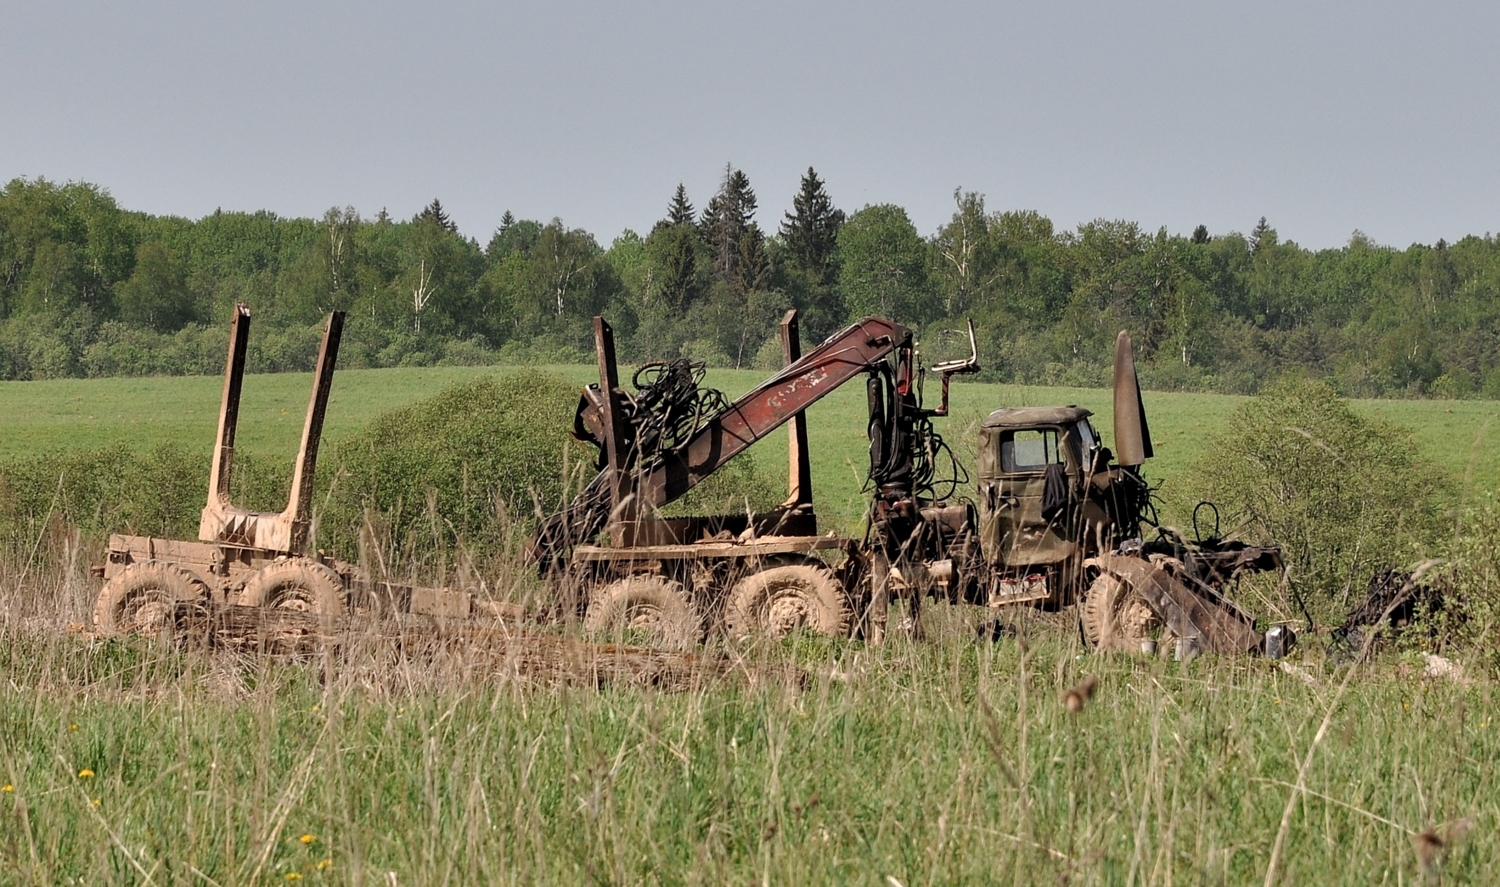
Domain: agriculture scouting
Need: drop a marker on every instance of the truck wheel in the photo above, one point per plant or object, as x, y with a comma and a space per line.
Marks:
780, 599
655, 608
299, 584
1115, 618
143, 598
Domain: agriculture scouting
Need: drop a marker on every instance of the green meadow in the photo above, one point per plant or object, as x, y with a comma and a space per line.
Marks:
1461, 436
950, 761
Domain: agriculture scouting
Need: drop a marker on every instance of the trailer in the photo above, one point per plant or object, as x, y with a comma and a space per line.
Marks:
248, 558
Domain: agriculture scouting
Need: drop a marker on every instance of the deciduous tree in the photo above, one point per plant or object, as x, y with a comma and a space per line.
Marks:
155, 296
884, 264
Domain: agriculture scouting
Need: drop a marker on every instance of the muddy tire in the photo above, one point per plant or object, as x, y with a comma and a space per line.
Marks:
298, 584
778, 600
143, 598
1115, 618
651, 610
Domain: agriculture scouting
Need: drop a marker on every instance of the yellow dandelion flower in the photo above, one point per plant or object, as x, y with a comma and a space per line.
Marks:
293, 876
7, 788
307, 839
96, 802
85, 773
73, 727
325, 864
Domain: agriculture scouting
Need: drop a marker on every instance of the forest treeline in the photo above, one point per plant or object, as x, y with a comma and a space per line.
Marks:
90, 289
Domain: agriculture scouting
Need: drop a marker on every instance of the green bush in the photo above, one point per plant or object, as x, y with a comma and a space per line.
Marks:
1342, 494
1472, 578
737, 487
470, 466
121, 350
475, 464
447, 468
157, 492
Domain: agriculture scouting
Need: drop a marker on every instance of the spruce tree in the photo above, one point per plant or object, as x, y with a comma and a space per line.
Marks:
674, 254
752, 268
1259, 237
727, 220
434, 213
811, 230
1200, 234
680, 211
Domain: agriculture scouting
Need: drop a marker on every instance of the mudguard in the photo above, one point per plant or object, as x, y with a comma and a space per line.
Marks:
1190, 616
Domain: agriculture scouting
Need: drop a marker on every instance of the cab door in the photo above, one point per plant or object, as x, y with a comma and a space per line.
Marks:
1017, 534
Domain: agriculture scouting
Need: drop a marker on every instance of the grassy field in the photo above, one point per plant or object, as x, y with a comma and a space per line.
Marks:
946, 762
1462, 437
949, 761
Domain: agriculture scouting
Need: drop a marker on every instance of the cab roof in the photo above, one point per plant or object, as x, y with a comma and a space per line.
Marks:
1026, 417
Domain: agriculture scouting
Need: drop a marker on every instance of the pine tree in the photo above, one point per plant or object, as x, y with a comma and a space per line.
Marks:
729, 215
811, 230
505, 222
680, 211
1259, 237
434, 213
1200, 234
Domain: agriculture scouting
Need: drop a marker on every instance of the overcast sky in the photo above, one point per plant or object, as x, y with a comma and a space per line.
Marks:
1323, 117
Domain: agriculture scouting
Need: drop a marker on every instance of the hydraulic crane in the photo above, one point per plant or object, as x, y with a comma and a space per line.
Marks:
1058, 522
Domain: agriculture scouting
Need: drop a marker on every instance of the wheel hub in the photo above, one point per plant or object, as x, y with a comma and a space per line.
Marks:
149, 613
643, 616
1138, 621
294, 602
786, 613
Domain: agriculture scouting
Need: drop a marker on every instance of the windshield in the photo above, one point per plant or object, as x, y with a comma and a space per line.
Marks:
1029, 450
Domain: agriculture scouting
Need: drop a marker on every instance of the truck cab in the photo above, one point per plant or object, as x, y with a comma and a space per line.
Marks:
1036, 465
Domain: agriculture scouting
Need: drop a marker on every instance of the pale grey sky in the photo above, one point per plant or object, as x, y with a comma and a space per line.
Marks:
1324, 117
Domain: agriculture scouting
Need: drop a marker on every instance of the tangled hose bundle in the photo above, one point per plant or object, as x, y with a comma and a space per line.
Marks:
670, 404
905, 449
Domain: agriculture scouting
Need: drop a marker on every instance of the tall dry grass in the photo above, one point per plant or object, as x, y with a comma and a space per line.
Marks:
949, 761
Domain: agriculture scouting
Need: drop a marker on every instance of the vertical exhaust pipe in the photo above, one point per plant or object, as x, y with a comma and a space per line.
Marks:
1132, 434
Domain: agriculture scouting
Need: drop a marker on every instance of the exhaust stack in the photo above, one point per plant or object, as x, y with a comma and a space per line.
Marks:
1132, 434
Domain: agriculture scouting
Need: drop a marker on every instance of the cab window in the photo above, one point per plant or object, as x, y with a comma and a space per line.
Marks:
1029, 450
1086, 437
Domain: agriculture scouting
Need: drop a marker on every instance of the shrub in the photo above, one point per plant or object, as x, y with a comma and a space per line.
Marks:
737, 487
158, 492
444, 469
456, 468
1473, 577
445, 472
120, 350
1342, 494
